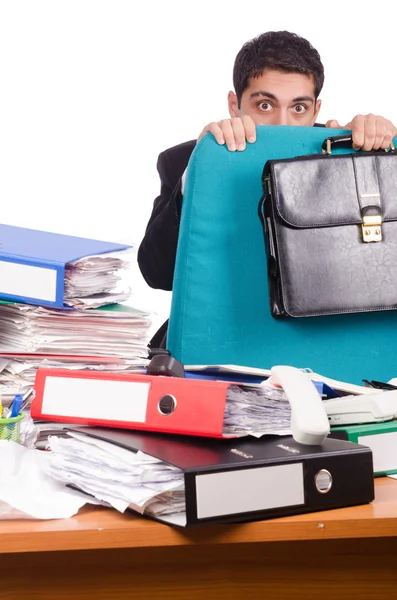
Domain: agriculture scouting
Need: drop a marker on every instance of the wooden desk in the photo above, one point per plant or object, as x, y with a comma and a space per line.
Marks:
347, 553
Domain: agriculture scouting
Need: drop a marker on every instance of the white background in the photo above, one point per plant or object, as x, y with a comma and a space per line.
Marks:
92, 90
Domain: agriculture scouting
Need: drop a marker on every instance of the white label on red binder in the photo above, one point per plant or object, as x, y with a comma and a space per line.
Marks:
249, 490
27, 281
96, 399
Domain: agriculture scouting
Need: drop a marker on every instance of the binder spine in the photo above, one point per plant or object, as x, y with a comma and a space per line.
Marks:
32, 282
191, 498
248, 491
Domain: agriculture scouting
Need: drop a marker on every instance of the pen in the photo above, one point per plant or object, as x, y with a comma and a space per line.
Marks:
15, 407
27, 397
379, 385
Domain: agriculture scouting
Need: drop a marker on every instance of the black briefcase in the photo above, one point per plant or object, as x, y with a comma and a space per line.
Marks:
330, 225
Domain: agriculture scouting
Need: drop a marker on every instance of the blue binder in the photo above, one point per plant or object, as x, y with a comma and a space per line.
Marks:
32, 263
220, 307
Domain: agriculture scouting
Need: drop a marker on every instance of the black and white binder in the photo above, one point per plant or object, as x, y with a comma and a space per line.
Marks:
248, 479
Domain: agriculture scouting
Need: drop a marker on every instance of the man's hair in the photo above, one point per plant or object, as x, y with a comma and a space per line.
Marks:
277, 51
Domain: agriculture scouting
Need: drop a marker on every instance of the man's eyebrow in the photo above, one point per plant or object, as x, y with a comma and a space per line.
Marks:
303, 99
262, 93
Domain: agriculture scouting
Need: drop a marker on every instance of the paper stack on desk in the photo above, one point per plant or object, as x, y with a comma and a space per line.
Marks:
113, 330
122, 478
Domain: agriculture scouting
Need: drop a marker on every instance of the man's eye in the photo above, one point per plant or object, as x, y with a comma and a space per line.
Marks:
300, 108
265, 106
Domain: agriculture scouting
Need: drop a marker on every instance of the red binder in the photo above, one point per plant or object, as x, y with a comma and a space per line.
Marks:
131, 401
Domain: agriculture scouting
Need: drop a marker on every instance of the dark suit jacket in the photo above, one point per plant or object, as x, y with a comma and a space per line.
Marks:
156, 254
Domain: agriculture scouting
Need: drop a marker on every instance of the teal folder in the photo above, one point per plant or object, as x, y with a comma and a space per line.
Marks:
220, 307
380, 437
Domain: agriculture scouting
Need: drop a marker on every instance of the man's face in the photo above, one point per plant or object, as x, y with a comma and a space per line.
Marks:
277, 98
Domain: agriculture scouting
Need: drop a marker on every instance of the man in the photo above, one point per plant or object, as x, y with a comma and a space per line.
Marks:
277, 78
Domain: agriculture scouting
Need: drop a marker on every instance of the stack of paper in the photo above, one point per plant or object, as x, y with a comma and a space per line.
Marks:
49, 428
97, 280
113, 330
122, 478
256, 410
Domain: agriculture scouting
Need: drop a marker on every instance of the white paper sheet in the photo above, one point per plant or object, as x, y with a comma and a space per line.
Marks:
26, 491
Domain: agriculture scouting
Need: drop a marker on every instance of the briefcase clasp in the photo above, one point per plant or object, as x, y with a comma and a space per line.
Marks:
372, 228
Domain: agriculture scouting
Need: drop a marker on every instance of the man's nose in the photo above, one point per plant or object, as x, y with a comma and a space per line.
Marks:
283, 117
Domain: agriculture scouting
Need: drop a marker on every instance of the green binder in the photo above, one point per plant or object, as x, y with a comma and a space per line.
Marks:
380, 437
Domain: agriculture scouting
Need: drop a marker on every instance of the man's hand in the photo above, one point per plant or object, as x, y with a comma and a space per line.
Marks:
234, 132
370, 132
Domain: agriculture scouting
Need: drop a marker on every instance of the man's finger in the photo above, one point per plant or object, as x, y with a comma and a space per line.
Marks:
370, 126
381, 133
239, 133
250, 129
389, 133
216, 132
333, 124
386, 142
228, 134
357, 128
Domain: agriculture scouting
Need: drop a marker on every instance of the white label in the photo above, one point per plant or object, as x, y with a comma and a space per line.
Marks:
96, 399
248, 490
27, 281
384, 450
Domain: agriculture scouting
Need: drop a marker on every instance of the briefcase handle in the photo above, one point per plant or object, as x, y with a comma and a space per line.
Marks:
344, 141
